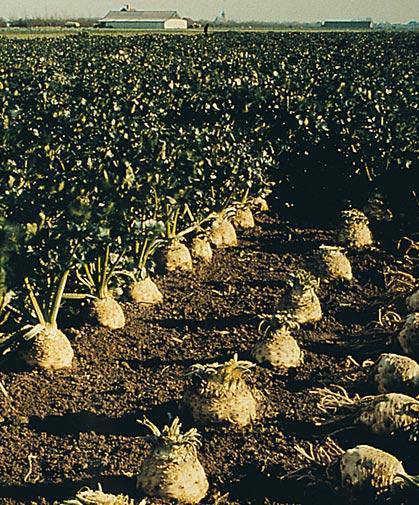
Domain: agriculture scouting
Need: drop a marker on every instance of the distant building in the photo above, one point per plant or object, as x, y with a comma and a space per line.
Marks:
128, 18
347, 25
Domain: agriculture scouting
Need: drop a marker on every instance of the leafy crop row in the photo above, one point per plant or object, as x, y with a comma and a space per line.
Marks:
111, 147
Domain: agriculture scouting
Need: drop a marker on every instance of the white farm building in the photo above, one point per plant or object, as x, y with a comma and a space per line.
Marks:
154, 20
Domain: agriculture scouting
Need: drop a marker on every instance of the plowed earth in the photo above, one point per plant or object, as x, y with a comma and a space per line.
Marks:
78, 427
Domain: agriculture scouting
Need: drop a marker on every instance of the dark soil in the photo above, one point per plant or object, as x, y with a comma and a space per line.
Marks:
78, 427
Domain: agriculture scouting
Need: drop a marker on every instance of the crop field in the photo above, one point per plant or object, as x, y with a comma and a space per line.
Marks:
208, 260
57, 31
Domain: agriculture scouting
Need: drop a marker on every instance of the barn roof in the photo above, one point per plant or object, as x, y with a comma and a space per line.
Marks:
140, 16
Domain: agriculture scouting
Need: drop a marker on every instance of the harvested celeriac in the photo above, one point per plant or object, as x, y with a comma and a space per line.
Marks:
355, 230
377, 209
173, 470
49, 349
386, 414
364, 470
277, 346
394, 373
96, 276
334, 263
222, 233
243, 219
219, 393
87, 496
107, 312
145, 292
409, 336
201, 248
301, 300
174, 257
42, 345
412, 301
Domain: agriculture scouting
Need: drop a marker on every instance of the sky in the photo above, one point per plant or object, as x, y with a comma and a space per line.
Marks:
395, 11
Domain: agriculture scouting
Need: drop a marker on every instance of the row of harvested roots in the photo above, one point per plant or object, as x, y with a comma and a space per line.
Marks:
47, 347
220, 393
366, 471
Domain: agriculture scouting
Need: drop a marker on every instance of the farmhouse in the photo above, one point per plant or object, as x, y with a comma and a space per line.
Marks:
128, 18
347, 25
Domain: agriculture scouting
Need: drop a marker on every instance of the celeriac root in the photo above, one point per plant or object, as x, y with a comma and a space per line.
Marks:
243, 220
365, 468
409, 336
173, 470
201, 249
412, 301
394, 373
355, 231
174, 258
107, 313
145, 292
50, 349
334, 263
385, 414
223, 234
219, 393
307, 309
300, 299
87, 496
279, 349
377, 209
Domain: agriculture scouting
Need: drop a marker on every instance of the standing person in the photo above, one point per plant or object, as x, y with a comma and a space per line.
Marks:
206, 29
